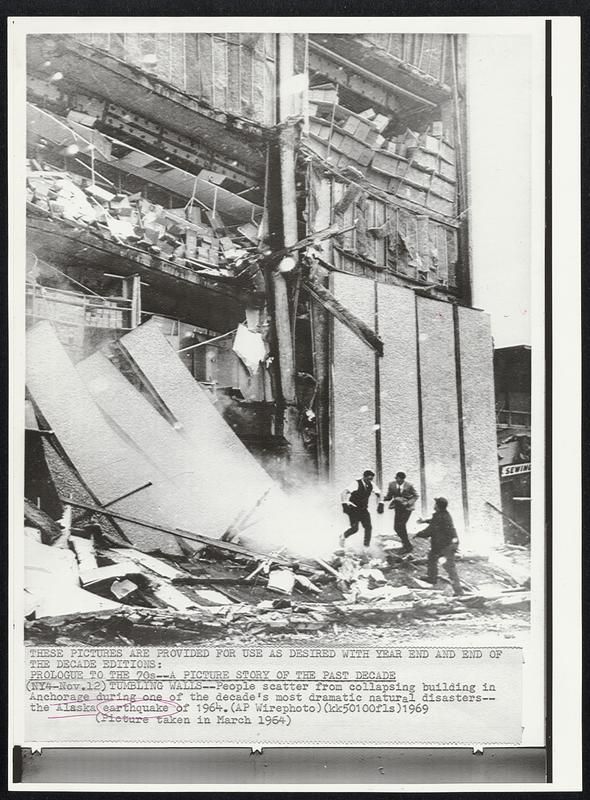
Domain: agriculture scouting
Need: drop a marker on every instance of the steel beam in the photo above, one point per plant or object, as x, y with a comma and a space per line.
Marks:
360, 79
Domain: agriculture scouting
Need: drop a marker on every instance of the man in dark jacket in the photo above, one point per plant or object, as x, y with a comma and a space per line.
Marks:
355, 503
444, 543
403, 498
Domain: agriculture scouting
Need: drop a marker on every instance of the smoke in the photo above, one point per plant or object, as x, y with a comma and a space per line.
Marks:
308, 523
304, 523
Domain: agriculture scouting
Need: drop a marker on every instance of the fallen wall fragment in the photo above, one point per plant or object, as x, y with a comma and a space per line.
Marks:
172, 457
230, 477
51, 583
199, 477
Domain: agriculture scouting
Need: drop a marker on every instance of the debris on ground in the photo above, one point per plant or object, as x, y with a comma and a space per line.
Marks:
119, 594
144, 545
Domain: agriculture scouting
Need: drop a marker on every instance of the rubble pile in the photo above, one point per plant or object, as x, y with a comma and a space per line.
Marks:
125, 596
191, 236
418, 167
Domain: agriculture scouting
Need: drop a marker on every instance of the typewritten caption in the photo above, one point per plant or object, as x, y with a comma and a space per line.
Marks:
282, 695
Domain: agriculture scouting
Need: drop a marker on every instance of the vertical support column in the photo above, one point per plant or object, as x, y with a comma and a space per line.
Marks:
135, 301
319, 209
289, 219
458, 45
288, 204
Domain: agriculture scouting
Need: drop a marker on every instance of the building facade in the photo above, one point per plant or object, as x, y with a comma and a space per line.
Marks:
311, 188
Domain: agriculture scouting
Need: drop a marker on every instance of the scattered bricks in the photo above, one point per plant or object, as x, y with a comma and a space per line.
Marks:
191, 240
216, 222
348, 146
56, 208
81, 119
448, 171
320, 129
99, 193
417, 177
387, 163
226, 244
441, 205
363, 155
443, 188
352, 124
430, 143
40, 186
379, 180
250, 231
380, 121
175, 228
447, 151
151, 234
338, 139
180, 252
194, 214
99, 214
359, 128
412, 194
327, 94
393, 185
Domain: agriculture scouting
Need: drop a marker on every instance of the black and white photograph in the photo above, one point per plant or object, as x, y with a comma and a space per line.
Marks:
283, 361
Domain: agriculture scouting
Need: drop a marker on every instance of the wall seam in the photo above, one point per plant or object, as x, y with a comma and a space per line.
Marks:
459, 383
420, 413
377, 417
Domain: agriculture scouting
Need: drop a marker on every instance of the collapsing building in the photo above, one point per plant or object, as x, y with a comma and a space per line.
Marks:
292, 212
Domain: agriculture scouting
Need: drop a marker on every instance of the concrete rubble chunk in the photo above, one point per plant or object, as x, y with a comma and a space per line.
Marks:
123, 588
51, 581
100, 574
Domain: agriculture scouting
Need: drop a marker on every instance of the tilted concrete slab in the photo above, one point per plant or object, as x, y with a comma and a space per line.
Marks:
229, 478
106, 462
200, 502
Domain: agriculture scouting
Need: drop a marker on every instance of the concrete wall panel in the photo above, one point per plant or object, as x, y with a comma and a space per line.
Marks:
107, 463
353, 385
227, 468
176, 465
399, 384
479, 426
439, 405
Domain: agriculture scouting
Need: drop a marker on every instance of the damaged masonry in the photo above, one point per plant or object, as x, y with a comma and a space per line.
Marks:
247, 280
